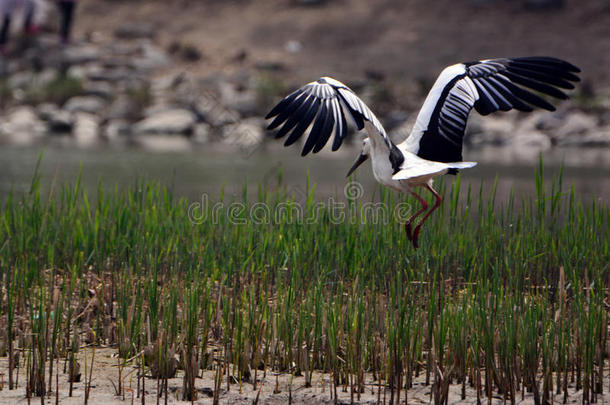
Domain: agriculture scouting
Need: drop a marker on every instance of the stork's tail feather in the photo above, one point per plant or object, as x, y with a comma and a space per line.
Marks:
430, 170
461, 165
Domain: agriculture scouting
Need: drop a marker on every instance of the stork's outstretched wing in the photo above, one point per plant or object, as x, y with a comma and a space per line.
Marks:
322, 103
487, 86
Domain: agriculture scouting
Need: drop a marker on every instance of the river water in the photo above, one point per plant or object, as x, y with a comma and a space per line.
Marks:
192, 172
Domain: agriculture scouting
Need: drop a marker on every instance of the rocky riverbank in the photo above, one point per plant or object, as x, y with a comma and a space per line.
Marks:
129, 90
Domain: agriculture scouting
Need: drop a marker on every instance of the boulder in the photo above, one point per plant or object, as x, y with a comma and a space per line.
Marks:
116, 129
490, 131
87, 104
86, 128
550, 121
98, 89
21, 126
293, 46
47, 110
79, 55
575, 123
244, 102
60, 121
169, 122
152, 58
598, 137
202, 133
21, 80
246, 135
209, 109
533, 141
124, 107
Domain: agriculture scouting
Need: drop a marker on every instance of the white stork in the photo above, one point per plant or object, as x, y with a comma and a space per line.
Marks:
434, 146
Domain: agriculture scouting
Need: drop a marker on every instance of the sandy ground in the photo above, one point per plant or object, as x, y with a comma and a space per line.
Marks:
106, 373
347, 38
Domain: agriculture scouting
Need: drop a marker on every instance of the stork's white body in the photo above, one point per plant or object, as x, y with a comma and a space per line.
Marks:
415, 170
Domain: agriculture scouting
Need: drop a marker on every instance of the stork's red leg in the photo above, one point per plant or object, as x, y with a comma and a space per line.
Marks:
437, 204
424, 207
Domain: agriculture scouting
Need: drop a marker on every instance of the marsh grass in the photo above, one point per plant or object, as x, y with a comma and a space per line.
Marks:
503, 296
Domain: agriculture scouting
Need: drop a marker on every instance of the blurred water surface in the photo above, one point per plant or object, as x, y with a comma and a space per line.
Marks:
193, 172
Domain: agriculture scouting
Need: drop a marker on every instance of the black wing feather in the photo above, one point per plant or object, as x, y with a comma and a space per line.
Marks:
325, 133
316, 131
287, 110
487, 86
304, 122
324, 103
295, 118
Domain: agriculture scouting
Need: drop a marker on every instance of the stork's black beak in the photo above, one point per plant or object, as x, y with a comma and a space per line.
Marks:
361, 159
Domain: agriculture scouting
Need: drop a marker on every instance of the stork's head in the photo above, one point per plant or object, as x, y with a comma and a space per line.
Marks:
364, 155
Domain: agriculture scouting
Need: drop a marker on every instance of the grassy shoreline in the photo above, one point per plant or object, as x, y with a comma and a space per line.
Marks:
504, 296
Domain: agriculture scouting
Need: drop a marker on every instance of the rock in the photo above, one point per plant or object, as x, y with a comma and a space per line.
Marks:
21, 126
244, 102
22, 119
531, 142
86, 128
110, 75
599, 137
490, 131
87, 104
576, 123
157, 108
186, 52
550, 121
209, 109
246, 135
604, 117
293, 46
60, 121
124, 108
115, 63
116, 129
79, 55
175, 121
168, 82
21, 80
202, 133
46, 111
98, 89
152, 58
81, 72
135, 31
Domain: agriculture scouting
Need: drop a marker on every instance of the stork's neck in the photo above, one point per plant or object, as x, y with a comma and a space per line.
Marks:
382, 148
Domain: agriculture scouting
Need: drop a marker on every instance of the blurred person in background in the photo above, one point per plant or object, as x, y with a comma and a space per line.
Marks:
7, 10
66, 7
29, 22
